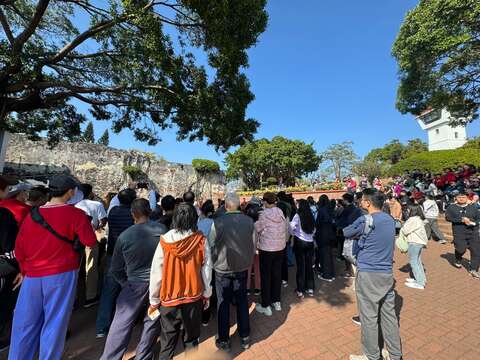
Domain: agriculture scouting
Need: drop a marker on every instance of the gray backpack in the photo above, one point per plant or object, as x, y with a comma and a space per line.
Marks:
350, 246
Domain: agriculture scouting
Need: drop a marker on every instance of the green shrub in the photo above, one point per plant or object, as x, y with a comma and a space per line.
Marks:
436, 161
272, 181
133, 171
204, 166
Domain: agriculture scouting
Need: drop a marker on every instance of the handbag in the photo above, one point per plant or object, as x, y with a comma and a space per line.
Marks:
38, 218
401, 242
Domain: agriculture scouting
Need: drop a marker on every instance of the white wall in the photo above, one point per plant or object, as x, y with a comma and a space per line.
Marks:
442, 136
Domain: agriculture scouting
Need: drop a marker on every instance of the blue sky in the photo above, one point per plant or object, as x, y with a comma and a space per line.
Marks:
323, 73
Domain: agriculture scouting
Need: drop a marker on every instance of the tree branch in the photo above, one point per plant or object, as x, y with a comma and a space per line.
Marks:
30, 29
6, 27
82, 37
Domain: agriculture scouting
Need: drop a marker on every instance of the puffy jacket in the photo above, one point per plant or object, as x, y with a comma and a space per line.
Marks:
272, 230
414, 230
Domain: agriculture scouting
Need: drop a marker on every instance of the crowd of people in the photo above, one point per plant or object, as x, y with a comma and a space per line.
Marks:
178, 262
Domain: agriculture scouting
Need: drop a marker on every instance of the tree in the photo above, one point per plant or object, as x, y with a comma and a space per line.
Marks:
473, 143
371, 169
88, 134
105, 138
133, 65
204, 166
280, 158
341, 158
413, 147
438, 57
395, 151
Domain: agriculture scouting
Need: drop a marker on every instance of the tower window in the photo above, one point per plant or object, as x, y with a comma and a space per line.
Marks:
456, 135
437, 131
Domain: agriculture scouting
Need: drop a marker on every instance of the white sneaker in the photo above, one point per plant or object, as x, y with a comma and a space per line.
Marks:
385, 354
410, 280
326, 279
358, 357
310, 292
267, 311
284, 283
414, 285
277, 306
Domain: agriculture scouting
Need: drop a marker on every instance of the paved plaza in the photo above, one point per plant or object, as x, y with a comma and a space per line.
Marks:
441, 322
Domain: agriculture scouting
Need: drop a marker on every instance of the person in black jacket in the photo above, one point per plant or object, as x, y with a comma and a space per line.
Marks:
465, 219
8, 266
324, 236
347, 217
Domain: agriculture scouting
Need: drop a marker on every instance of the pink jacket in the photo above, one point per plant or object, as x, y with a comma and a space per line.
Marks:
272, 230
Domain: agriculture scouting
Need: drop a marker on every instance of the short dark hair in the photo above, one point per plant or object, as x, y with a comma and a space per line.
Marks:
185, 218
253, 211
58, 193
348, 197
126, 196
86, 189
270, 198
168, 203
208, 208
141, 207
377, 198
37, 193
189, 197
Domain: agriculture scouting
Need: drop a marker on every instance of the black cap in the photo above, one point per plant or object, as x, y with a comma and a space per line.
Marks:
62, 183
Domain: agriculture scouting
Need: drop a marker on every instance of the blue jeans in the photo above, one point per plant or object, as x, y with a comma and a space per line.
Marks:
41, 317
230, 286
414, 254
110, 291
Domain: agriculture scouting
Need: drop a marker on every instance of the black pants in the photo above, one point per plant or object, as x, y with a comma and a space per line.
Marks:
230, 286
8, 298
304, 252
271, 276
469, 241
326, 260
285, 266
171, 319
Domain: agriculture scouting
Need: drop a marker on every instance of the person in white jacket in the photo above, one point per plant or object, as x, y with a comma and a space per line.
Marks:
430, 209
414, 231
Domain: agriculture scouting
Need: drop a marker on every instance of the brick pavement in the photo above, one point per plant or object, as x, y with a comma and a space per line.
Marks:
441, 322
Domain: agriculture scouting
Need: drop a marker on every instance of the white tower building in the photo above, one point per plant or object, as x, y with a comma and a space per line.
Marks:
441, 136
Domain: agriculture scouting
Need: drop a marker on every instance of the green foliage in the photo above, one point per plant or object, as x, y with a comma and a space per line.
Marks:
203, 166
436, 161
341, 158
332, 186
473, 143
371, 169
127, 67
133, 171
438, 57
104, 139
280, 158
395, 151
272, 181
88, 134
